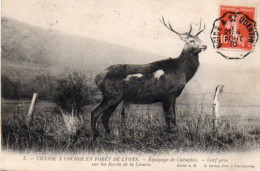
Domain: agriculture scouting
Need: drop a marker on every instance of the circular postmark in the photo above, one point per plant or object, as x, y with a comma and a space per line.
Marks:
234, 34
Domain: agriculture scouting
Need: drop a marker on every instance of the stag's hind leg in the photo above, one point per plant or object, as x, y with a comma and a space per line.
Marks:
104, 105
106, 116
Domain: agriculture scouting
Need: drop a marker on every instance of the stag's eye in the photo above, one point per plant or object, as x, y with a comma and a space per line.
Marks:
192, 42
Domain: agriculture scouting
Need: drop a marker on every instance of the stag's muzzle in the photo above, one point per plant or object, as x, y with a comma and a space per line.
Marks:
203, 47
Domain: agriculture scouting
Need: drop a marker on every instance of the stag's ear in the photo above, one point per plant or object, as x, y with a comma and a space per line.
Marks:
184, 37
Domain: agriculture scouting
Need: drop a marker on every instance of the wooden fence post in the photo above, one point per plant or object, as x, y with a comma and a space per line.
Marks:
218, 94
30, 112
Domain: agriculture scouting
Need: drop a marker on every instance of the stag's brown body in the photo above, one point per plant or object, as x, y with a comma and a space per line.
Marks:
160, 81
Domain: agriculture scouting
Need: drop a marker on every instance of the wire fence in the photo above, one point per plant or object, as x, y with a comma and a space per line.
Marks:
204, 100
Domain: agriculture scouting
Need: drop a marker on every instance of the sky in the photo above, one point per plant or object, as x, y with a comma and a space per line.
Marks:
135, 24
132, 24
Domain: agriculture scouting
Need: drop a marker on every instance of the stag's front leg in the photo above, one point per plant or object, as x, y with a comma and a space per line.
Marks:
169, 112
125, 107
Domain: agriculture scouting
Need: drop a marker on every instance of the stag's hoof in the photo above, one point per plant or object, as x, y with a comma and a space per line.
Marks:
108, 132
171, 130
107, 136
95, 135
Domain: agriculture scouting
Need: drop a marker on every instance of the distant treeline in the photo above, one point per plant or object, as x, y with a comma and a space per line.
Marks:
10, 89
44, 85
68, 85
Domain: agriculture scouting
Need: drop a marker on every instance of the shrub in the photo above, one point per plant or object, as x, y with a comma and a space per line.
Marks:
72, 91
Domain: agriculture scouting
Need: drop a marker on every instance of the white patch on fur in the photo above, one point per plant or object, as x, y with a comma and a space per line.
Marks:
157, 74
133, 75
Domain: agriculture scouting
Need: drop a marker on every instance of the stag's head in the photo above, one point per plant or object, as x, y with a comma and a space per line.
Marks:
192, 41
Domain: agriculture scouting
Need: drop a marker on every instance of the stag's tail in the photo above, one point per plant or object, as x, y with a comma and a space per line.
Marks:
99, 79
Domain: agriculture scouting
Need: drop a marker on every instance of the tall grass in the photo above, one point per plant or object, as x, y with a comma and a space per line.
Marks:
194, 132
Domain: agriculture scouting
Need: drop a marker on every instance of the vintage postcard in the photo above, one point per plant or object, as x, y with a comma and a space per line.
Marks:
130, 85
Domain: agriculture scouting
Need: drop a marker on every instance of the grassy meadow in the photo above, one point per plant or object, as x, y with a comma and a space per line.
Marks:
145, 131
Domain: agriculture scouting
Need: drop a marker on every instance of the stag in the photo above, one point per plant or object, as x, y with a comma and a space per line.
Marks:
160, 81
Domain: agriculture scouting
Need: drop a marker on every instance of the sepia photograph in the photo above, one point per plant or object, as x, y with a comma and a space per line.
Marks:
130, 85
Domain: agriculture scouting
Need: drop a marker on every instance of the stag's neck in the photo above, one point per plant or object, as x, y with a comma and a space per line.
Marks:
189, 62
189, 55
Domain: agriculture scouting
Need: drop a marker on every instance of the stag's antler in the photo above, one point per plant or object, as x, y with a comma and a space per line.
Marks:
170, 27
200, 29
190, 30
187, 33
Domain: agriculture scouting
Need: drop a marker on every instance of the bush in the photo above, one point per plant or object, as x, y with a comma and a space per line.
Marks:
72, 91
10, 89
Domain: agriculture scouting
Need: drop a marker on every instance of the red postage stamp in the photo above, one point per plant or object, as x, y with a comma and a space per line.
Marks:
234, 34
